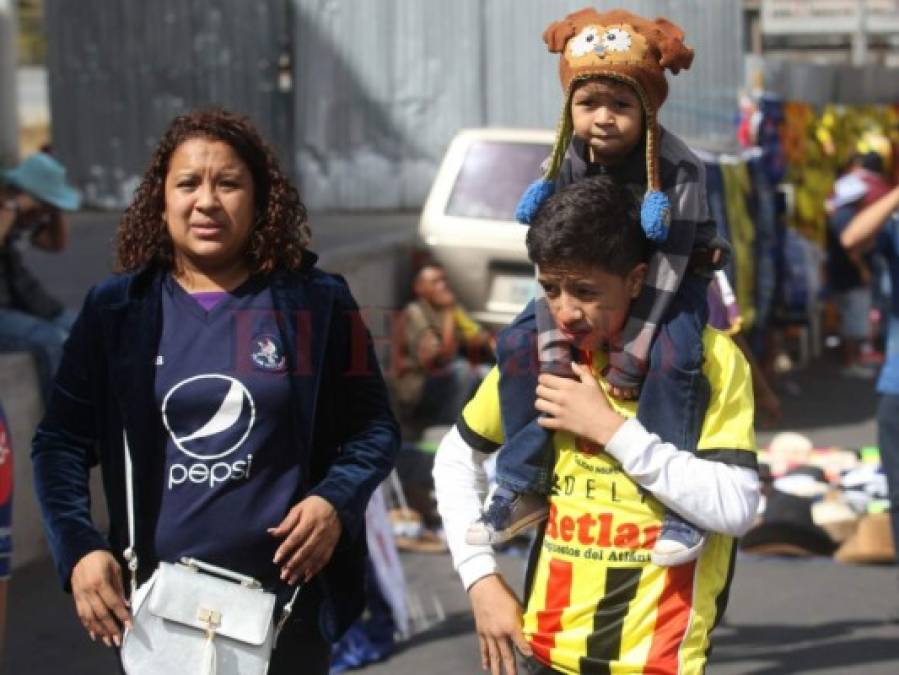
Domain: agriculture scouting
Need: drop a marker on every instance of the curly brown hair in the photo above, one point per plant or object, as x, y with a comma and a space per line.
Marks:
280, 232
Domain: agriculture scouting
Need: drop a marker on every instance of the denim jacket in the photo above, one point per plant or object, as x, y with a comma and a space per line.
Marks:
345, 434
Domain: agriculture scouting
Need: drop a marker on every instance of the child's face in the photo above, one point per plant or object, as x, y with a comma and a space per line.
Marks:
588, 304
608, 116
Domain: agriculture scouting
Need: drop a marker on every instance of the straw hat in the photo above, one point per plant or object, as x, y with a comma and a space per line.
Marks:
872, 541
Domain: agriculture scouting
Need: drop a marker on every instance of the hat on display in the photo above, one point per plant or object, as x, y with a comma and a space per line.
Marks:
871, 542
627, 48
804, 481
787, 529
44, 178
835, 516
788, 449
847, 190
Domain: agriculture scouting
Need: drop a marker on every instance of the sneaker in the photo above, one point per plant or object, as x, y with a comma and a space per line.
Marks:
679, 542
505, 514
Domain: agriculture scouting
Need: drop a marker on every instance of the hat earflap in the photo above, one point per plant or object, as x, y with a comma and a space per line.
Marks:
655, 211
543, 188
655, 216
535, 194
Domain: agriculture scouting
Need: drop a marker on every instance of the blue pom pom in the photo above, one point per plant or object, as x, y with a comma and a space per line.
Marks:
655, 216
537, 193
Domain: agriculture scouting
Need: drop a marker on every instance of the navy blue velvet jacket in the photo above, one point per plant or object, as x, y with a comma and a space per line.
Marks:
345, 434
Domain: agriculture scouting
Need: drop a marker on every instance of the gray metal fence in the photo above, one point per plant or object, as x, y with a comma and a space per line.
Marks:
383, 86
379, 86
119, 71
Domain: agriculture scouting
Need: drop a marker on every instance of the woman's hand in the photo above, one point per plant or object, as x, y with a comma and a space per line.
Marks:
310, 531
577, 406
99, 597
497, 616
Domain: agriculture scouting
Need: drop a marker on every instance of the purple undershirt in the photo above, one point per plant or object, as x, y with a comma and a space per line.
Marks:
209, 299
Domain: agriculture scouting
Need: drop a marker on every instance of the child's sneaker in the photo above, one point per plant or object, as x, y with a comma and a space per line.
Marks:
679, 541
505, 514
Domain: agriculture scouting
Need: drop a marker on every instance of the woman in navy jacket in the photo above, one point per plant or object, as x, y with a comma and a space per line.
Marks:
246, 387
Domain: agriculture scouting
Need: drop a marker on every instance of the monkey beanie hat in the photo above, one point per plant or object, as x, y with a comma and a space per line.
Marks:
624, 47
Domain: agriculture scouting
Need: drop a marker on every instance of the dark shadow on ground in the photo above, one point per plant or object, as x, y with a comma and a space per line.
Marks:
822, 393
795, 649
459, 623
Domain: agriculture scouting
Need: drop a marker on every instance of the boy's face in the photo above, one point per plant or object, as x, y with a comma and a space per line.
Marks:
608, 116
588, 304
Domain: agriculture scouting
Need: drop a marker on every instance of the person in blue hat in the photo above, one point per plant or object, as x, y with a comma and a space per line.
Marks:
33, 197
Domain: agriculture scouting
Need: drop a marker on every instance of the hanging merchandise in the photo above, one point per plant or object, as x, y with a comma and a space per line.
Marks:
819, 147
798, 118
737, 186
769, 137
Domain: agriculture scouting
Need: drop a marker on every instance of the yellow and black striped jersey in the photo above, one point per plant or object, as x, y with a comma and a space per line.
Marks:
596, 603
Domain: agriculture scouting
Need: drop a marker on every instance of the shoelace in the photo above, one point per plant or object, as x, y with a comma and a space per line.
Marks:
499, 511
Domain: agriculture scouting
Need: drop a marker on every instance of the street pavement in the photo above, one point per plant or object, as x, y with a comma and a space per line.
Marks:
785, 616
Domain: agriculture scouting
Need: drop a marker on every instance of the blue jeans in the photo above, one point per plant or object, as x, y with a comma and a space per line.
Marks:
44, 338
888, 440
446, 392
673, 399
675, 393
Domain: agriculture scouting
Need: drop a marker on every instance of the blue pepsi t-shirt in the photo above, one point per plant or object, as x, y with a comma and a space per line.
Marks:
888, 246
231, 471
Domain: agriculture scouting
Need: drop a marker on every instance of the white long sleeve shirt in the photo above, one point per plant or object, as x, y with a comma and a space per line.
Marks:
713, 495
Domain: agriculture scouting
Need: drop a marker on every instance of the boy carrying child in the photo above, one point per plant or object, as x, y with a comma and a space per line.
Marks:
612, 69
594, 602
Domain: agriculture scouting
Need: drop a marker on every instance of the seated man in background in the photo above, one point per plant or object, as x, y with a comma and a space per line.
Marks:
32, 198
441, 347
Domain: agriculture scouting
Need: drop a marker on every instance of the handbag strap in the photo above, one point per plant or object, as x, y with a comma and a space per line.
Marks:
131, 555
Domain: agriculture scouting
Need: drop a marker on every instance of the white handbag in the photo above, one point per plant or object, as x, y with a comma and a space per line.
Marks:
193, 618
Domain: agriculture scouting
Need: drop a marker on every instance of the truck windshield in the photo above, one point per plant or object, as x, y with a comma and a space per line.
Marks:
493, 177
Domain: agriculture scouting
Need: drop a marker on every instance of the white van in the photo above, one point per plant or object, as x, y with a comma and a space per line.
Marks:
468, 222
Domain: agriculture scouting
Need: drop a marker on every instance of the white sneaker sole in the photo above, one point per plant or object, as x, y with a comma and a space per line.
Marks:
675, 558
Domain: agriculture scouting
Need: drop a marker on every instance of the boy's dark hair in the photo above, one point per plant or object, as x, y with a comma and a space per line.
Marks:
591, 223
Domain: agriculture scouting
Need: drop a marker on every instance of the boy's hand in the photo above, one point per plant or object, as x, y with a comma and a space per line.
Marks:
497, 615
577, 406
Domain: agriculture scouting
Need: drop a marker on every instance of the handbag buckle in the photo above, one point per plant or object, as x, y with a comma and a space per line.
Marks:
212, 618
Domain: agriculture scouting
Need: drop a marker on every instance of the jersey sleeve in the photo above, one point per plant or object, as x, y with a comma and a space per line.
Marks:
727, 431
481, 424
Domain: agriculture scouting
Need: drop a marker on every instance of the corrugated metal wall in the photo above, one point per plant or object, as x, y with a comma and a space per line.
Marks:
119, 71
380, 86
383, 86
822, 84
